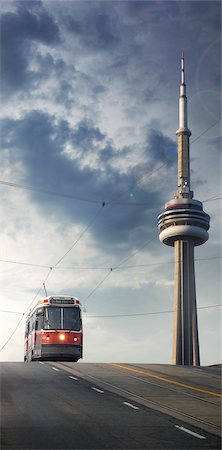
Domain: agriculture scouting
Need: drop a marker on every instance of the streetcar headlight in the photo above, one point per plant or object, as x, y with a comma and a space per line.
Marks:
62, 337
75, 339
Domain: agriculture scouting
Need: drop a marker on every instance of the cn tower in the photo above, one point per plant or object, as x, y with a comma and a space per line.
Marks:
184, 225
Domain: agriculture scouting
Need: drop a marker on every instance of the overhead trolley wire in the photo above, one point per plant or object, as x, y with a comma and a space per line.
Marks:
97, 286
205, 131
24, 263
46, 191
12, 334
80, 236
137, 251
21, 318
213, 198
112, 269
106, 267
138, 179
150, 313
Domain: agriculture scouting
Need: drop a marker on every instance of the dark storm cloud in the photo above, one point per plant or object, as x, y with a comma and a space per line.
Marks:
95, 29
161, 148
85, 134
19, 31
156, 13
38, 141
202, 14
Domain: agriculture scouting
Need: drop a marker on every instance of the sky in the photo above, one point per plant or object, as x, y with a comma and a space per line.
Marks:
89, 111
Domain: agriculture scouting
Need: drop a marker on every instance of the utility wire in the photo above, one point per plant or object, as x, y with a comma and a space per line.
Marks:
127, 315
137, 251
81, 235
146, 313
106, 267
97, 286
165, 263
24, 263
114, 268
214, 197
12, 334
138, 179
46, 191
205, 131
21, 318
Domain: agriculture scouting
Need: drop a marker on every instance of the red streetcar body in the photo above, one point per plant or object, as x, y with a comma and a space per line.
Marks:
54, 330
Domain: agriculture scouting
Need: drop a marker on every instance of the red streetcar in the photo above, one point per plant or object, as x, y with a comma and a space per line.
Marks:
53, 330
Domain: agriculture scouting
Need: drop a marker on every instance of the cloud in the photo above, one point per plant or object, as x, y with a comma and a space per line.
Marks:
20, 30
161, 148
95, 29
39, 142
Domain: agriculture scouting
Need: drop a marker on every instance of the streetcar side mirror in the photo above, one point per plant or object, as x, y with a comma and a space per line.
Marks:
36, 325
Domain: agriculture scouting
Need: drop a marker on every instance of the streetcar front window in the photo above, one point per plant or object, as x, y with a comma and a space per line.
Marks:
58, 318
72, 319
53, 319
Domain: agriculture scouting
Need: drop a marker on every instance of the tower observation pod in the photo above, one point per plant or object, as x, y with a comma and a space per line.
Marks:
184, 225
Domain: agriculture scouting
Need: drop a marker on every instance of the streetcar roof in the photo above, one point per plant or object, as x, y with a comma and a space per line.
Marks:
56, 300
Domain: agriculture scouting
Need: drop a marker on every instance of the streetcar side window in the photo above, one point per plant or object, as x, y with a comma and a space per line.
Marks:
33, 322
39, 322
27, 329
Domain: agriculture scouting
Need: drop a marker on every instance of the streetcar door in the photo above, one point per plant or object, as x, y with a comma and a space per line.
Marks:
38, 328
26, 341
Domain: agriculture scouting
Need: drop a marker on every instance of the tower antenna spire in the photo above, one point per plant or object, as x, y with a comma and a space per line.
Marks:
183, 225
183, 134
182, 69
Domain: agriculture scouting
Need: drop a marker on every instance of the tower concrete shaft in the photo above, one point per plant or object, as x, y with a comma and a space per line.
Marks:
185, 337
184, 225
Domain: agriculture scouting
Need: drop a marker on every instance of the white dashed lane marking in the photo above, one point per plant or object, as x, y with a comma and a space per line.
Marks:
97, 390
55, 368
73, 378
130, 405
199, 436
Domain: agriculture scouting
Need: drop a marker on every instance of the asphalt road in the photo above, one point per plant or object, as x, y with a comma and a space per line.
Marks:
58, 406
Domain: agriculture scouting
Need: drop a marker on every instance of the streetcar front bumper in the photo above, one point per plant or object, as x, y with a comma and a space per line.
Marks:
58, 352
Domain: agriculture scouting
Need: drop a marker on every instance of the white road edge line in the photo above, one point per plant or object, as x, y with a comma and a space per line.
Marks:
130, 405
199, 436
73, 378
97, 390
55, 368
40, 362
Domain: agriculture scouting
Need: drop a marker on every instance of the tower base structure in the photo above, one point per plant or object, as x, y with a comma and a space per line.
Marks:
185, 337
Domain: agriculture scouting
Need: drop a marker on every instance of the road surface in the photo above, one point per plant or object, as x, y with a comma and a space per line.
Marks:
108, 406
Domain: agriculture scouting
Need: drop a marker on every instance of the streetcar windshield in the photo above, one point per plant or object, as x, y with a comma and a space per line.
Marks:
58, 318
